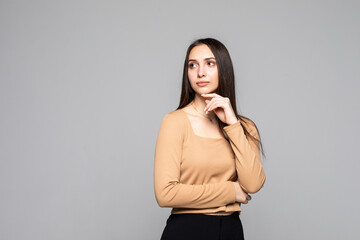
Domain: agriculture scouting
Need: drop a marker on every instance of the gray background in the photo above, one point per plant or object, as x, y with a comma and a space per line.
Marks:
85, 84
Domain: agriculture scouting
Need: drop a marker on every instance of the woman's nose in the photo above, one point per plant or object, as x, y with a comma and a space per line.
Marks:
201, 71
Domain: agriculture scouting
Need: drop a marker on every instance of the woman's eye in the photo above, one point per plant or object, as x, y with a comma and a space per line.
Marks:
191, 65
211, 63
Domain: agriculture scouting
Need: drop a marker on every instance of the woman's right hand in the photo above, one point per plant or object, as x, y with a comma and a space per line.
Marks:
241, 196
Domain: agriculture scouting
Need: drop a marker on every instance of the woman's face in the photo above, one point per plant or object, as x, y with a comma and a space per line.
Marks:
202, 70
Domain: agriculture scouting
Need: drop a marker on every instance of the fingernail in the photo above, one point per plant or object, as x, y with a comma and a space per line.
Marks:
204, 108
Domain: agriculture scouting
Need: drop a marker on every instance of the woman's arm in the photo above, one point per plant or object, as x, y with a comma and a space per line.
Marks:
251, 175
169, 191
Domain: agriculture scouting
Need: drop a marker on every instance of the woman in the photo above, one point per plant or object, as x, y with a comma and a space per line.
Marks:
207, 157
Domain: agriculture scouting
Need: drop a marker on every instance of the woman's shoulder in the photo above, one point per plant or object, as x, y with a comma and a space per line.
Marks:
175, 117
173, 124
176, 114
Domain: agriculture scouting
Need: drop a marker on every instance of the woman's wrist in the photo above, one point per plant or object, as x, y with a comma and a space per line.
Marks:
232, 121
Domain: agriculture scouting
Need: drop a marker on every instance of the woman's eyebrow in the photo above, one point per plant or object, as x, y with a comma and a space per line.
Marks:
204, 58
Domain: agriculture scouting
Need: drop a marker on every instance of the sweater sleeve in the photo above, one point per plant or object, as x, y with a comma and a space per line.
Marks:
169, 191
251, 175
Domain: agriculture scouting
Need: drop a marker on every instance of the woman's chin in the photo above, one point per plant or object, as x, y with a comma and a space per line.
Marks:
205, 90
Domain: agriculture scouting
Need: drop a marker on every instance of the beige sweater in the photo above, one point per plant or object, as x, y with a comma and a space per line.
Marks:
194, 174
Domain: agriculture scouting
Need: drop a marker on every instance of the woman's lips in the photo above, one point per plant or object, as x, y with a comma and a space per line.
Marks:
202, 83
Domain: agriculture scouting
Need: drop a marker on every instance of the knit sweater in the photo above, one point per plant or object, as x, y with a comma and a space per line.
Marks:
195, 174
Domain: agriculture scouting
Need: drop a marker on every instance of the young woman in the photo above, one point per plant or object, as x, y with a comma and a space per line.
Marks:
207, 156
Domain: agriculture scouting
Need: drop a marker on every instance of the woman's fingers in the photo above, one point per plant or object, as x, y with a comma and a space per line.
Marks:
211, 103
221, 107
216, 105
213, 97
215, 102
247, 199
210, 95
241, 195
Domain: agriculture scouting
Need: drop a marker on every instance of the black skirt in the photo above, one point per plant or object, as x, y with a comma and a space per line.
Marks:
189, 226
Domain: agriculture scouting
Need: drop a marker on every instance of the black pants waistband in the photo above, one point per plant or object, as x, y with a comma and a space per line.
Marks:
191, 226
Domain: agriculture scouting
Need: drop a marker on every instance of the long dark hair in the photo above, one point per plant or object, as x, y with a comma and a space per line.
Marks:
226, 86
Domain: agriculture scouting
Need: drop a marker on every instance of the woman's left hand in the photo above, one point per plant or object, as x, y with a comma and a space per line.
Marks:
221, 107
